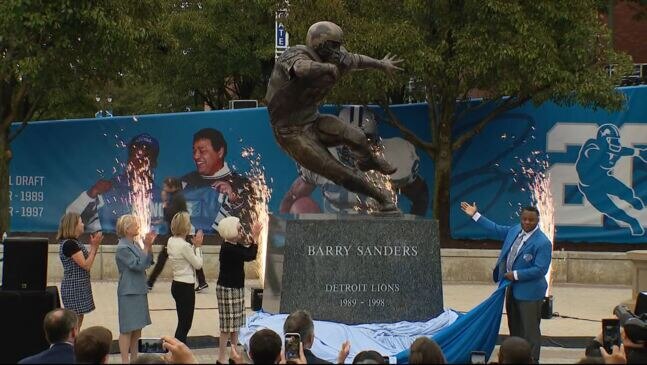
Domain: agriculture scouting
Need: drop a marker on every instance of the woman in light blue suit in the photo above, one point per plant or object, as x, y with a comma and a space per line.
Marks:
132, 292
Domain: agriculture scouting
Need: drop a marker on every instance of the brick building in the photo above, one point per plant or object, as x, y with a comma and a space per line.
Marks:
629, 33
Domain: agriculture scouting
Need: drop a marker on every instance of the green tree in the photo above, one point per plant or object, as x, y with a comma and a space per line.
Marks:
514, 52
55, 51
219, 50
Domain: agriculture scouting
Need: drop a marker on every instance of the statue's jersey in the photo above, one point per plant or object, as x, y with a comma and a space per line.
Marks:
295, 100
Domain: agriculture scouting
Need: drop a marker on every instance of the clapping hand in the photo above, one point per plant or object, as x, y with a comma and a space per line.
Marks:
149, 239
343, 352
469, 209
197, 239
95, 239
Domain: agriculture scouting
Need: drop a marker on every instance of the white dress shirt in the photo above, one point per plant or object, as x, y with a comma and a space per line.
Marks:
185, 259
476, 217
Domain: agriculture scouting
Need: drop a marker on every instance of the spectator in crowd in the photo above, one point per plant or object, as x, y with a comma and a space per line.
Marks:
92, 345
76, 289
424, 350
515, 350
231, 280
173, 203
633, 353
185, 259
264, 348
132, 298
301, 322
369, 357
61, 328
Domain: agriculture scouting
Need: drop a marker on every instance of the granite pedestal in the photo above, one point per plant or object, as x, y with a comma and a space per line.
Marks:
354, 269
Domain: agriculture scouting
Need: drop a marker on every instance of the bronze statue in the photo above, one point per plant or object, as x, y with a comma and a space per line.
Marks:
301, 79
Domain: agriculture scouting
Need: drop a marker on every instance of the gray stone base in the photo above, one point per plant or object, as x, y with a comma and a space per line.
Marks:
354, 269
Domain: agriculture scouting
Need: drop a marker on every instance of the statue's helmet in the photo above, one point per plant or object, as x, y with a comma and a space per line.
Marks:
611, 134
325, 38
360, 117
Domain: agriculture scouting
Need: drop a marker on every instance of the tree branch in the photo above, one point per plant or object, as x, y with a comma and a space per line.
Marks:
25, 120
408, 134
510, 103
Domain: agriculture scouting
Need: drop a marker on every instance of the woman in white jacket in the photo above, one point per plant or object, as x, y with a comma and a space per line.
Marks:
185, 259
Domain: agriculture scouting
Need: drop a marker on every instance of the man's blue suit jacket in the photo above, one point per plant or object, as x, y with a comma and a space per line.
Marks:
531, 263
59, 353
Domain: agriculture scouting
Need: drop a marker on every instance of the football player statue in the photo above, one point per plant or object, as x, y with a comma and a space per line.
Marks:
336, 199
301, 79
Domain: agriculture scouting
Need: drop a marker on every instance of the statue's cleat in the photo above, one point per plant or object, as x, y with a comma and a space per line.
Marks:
388, 209
377, 164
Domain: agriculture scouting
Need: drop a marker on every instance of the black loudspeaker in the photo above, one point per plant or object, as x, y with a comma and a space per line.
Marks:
22, 313
24, 263
547, 307
257, 299
641, 304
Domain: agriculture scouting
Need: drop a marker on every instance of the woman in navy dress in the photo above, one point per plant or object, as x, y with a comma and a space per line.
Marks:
76, 289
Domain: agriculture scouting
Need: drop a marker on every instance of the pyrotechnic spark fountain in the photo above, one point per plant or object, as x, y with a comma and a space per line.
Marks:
140, 178
259, 198
542, 197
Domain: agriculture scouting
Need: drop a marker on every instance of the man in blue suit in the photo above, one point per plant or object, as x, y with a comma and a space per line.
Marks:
524, 260
61, 328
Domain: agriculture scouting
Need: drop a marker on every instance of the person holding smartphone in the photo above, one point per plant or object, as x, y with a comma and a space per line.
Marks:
230, 287
132, 293
185, 259
76, 289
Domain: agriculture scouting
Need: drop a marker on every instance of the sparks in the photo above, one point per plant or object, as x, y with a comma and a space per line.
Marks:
259, 197
542, 197
140, 178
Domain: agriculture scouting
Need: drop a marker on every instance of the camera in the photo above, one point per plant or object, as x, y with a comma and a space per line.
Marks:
150, 346
477, 357
635, 326
292, 342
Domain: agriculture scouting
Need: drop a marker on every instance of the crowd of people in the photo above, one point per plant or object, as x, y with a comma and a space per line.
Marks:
92, 345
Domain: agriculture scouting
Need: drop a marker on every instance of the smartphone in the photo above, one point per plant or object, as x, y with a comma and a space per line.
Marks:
292, 342
390, 359
150, 346
477, 357
610, 333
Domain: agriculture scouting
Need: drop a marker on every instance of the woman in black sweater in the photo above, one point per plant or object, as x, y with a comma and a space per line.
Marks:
231, 280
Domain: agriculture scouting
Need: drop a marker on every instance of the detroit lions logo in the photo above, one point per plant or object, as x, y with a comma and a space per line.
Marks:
595, 169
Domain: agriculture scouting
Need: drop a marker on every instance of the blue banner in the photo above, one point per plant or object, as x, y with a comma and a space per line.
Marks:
595, 159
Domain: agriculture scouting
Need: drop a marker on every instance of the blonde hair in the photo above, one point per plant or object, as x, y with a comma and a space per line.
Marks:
181, 224
124, 223
67, 227
228, 228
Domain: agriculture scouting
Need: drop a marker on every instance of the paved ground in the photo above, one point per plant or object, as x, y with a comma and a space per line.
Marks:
589, 303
